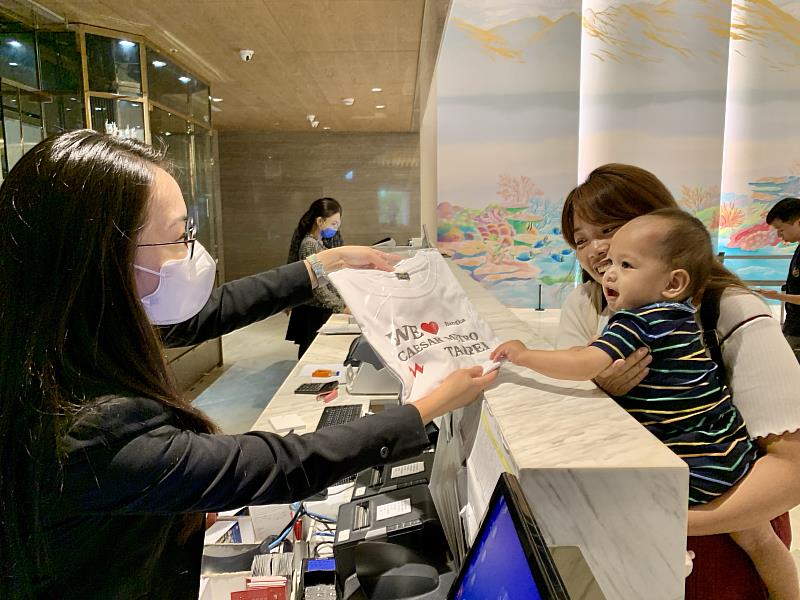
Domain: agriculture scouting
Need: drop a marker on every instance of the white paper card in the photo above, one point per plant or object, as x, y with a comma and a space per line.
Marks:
287, 422
344, 535
360, 490
409, 469
393, 509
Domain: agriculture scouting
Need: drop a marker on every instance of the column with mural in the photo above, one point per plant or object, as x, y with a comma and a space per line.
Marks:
762, 134
508, 83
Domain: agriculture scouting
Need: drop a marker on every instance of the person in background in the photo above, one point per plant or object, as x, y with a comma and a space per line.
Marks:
785, 218
320, 222
763, 374
105, 469
334, 241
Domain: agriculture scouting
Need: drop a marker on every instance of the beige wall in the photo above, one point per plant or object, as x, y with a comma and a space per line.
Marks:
268, 180
428, 151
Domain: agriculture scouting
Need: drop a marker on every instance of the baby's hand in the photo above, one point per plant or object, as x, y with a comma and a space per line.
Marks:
511, 351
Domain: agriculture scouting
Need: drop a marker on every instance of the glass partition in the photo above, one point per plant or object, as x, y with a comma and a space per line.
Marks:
124, 118
22, 122
113, 65
18, 58
203, 208
60, 77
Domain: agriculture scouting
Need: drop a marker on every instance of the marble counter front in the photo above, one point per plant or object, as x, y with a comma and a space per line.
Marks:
594, 477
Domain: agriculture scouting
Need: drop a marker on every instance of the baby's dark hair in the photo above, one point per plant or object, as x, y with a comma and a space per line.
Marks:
686, 244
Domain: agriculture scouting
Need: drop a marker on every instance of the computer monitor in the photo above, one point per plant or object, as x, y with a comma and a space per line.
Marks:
509, 559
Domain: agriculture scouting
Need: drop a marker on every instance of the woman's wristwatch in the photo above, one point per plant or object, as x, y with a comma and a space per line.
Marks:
319, 270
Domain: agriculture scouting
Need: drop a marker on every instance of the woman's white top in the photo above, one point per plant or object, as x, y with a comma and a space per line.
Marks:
763, 373
419, 320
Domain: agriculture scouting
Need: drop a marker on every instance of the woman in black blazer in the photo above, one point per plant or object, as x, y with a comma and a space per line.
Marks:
105, 470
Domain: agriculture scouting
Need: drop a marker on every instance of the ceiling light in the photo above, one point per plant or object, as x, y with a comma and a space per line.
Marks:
216, 99
14, 44
126, 44
377, 89
167, 133
348, 101
98, 108
379, 106
326, 127
74, 99
67, 109
184, 79
13, 64
159, 63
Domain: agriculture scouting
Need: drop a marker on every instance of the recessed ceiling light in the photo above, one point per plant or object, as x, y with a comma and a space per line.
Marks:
167, 133
126, 44
377, 89
159, 63
73, 99
98, 108
216, 99
184, 79
13, 64
326, 127
348, 101
14, 44
380, 106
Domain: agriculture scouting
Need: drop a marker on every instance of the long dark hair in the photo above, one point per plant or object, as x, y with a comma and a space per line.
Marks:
72, 327
322, 207
616, 193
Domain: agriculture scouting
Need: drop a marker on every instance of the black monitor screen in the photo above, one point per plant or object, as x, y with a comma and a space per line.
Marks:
497, 567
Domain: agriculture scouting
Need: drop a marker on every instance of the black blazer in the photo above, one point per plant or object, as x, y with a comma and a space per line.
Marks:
125, 517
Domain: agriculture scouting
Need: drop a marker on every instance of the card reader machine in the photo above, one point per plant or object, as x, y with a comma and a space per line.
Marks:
402, 518
396, 475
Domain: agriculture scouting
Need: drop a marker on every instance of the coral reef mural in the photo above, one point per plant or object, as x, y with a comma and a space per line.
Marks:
516, 242
534, 94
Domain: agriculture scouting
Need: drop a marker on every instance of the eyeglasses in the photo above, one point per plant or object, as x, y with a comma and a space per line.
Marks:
188, 238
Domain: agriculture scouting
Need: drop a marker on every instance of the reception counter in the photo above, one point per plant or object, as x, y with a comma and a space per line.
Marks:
593, 476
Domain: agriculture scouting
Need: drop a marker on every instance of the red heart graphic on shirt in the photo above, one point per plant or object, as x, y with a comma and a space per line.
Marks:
432, 327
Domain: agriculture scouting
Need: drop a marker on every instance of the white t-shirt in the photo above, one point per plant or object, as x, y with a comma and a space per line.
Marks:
419, 321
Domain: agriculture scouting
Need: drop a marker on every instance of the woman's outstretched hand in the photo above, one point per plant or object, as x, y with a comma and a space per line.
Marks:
357, 257
459, 389
624, 375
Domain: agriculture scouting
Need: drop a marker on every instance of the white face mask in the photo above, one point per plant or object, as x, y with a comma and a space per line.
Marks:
183, 289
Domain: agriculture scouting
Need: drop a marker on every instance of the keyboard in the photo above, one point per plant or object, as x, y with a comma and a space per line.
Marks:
338, 415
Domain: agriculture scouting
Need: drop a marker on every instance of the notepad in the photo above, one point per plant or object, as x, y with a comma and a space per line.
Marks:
287, 422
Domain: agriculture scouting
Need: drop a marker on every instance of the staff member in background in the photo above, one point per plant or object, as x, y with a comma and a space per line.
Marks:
320, 222
105, 469
785, 218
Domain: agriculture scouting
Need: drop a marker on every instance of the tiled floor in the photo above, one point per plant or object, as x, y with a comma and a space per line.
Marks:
257, 359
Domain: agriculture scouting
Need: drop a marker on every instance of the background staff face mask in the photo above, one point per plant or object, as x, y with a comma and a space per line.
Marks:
183, 289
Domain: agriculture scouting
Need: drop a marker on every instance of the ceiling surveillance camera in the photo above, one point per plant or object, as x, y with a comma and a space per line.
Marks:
246, 55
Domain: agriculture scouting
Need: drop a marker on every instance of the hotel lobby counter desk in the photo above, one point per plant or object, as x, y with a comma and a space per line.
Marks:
594, 477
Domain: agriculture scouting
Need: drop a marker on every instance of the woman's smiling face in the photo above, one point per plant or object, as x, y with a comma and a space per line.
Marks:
591, 246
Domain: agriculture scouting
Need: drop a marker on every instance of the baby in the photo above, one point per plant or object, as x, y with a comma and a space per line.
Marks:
658, 263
